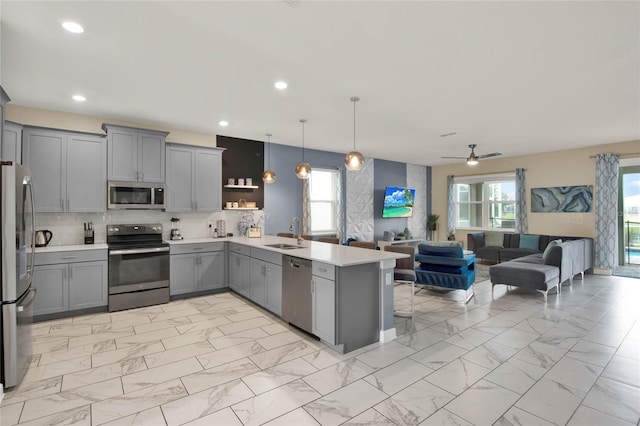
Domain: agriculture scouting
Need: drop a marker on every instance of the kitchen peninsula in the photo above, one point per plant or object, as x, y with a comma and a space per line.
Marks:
351, 288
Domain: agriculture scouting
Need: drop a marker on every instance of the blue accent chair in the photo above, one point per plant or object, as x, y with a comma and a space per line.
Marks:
446, 267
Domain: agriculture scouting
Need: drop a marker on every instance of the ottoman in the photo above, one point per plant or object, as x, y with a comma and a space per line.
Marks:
532, 276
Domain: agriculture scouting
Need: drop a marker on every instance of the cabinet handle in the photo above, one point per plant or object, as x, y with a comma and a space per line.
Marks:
61, 204
322, 269
70, 273
68, 257
68, 209
135, 176
313, 286
196, 203
197, 248
142, 173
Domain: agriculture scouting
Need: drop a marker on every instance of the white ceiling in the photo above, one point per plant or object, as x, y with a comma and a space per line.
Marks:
513, 77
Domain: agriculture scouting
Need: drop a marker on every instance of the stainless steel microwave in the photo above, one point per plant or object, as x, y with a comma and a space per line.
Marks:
135, 196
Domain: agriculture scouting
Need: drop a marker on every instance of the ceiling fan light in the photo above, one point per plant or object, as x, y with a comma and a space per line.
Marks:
303, 170
269, 176
354, 161
472, 161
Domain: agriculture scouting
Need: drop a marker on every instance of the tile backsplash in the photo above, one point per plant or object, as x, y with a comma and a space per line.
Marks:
67, 228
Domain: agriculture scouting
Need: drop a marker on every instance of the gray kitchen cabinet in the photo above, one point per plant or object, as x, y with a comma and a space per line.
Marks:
11, 148
70, 281
194, 178
196, 267
323, 301
240, 273
88, 284
68, 168
266, 279
135, 155
52, 289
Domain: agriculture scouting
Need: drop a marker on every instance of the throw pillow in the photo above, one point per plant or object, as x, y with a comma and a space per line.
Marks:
493, 239
530, 242
548, 249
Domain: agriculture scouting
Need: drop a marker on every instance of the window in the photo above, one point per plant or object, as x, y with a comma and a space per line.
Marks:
485, 202
323, 201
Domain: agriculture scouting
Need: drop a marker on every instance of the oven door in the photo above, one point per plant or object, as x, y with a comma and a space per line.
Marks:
138, 269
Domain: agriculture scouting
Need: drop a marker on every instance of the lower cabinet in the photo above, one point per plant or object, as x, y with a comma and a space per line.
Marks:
70, 286
196, 267
323, 302
266, 285
240, 273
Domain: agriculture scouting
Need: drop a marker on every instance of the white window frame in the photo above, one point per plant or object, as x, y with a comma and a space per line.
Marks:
333, 202
486, 180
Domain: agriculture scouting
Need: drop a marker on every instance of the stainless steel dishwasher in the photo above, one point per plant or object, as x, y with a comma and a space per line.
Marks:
296, 292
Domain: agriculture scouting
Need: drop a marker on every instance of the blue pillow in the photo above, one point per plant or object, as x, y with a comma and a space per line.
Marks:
530, 242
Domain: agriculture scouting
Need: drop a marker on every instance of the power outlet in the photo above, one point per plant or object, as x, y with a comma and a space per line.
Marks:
388, 278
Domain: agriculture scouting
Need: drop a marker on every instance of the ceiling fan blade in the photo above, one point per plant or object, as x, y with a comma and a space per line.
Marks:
493, 154
456, 158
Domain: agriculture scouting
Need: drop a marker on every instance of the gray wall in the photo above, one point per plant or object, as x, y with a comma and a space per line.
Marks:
387, 173
283, 199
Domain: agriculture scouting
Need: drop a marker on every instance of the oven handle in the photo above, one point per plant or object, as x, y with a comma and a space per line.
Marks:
138, 251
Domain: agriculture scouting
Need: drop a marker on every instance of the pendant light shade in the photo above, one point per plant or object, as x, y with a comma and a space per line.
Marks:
303, 169
354, 160
269, 176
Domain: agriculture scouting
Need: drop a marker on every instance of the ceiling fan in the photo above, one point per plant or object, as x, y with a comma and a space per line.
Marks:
472, 159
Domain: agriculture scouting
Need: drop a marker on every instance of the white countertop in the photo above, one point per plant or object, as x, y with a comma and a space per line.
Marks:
333, 254
53, 249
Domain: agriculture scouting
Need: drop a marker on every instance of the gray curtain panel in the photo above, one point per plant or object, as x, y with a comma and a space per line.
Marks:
606, 241
451, 220
306, 207
339, 207
521, 203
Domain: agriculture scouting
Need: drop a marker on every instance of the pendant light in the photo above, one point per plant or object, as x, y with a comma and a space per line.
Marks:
303, 170
354, 160
269, 176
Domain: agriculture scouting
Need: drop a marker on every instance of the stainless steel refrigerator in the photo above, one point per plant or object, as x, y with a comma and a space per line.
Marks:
17, 233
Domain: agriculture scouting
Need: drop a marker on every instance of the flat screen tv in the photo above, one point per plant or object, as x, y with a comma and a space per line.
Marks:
398, 202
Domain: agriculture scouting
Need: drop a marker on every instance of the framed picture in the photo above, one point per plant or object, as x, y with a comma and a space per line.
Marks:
562, 199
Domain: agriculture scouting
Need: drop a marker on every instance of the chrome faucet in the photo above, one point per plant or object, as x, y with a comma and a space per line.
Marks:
291, 227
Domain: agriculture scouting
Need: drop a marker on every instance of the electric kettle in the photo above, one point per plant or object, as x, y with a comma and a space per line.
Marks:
43, 237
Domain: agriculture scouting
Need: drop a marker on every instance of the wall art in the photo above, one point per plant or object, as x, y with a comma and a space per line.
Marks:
562, 199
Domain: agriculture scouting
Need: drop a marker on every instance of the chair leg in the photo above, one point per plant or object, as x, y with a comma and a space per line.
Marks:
406, 314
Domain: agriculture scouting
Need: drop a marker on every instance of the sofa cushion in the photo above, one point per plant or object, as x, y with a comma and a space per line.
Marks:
548, 248
454, 251
489, 253
507, 254
493, 239
525, 275
529, 241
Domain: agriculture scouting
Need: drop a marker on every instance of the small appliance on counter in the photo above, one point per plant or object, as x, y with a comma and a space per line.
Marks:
175, 229
220, 229
254, 232
88, 233
43, 237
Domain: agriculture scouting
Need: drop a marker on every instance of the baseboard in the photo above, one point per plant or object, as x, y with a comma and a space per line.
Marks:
387, 335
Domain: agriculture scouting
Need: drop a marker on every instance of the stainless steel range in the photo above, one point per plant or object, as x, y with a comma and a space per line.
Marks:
138, 266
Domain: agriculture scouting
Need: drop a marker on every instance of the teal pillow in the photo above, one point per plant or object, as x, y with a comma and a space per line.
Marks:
548, 249
493, 239
530, 242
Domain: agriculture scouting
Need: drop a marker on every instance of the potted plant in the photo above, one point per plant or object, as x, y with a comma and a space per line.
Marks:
432, 222
452, 236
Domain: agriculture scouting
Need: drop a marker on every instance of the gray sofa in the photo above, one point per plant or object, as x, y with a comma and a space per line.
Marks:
545, 271
510, 247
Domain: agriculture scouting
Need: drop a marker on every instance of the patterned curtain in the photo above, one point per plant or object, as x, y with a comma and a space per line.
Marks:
606, 241
521, 203
451, 221
306, 207
339, 207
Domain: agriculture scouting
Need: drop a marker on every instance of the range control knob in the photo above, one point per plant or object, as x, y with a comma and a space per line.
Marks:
110, 229
116, 229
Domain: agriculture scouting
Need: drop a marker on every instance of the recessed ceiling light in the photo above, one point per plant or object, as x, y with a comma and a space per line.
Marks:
223, 123
281, 85
79, 98
72, 27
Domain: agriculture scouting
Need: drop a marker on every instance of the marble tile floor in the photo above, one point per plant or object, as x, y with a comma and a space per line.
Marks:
505, 358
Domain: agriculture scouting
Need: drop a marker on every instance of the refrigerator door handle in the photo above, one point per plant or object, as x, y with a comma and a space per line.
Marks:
27, 301
33, 227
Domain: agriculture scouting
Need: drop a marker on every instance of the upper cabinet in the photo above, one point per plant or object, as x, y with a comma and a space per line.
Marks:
68, 169
135, 155
193, 178
11, 148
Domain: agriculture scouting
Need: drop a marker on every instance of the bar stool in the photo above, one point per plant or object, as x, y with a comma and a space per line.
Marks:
404, 272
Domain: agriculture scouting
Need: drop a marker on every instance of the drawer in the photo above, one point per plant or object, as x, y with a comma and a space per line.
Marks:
323, 270
196, 248
240, 248
266, 255
51, 258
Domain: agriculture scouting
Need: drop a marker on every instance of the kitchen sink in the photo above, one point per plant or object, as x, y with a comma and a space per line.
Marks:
283, 246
